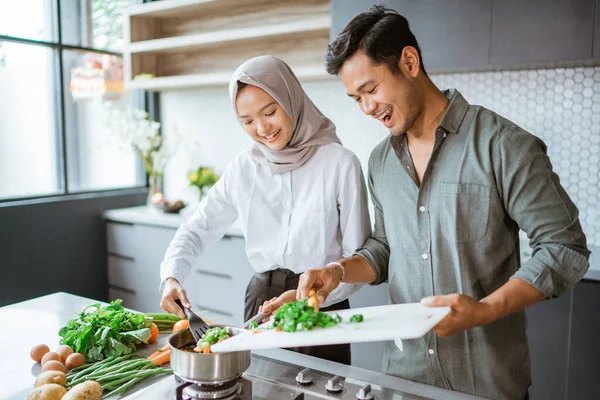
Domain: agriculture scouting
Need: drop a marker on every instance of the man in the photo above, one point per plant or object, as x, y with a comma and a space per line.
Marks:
451, 186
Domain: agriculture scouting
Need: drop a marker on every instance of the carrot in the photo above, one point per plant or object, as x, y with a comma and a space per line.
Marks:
206, 349
162, 358
153, 333
180, 325
256, 331
278, 329
158, 352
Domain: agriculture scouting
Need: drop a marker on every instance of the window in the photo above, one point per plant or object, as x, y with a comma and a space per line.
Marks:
55, 78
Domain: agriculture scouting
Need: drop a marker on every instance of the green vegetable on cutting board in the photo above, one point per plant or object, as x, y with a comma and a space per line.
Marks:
299, 316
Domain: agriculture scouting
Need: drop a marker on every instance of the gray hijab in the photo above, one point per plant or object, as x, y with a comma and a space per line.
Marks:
310, 128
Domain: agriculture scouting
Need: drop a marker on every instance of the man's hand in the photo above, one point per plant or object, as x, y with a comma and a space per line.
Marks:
174, 291
324, 280
465, 313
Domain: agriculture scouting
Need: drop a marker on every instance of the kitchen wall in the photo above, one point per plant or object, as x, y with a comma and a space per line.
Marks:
560, 105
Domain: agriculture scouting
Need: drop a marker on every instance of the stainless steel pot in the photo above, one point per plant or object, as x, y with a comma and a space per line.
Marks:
208, 369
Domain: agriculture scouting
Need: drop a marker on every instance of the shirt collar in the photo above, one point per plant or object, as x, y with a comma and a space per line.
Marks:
457, 109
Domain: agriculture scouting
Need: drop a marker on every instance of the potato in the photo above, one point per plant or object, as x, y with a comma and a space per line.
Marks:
51, 377
54, 365
50, 391
38, 351
90, 390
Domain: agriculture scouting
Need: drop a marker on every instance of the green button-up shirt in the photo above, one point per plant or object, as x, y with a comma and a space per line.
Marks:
458, 232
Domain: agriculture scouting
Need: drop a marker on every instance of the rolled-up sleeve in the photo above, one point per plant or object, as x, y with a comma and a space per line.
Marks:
534, 198
376, 249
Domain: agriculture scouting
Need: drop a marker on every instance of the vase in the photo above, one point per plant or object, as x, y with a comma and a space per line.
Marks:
155, 192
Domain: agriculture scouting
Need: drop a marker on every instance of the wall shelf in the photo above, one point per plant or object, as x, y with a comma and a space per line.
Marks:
180, 44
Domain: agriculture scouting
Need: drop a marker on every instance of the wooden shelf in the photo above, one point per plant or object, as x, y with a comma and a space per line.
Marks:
195, 43
212, 79
208, 39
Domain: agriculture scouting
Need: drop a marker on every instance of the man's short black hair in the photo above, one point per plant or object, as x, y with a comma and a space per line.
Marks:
381, 33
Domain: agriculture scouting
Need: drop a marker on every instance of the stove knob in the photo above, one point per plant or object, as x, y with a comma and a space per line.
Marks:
365, 393
304, 377
335, 384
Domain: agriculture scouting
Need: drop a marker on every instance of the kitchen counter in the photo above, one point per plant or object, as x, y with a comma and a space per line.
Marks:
38, 321
144, 215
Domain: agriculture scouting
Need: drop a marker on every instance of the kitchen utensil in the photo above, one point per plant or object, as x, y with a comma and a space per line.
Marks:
257, 318
197, 325
389, 322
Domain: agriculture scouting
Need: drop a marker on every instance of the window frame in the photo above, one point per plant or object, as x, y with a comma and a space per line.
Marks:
149, 101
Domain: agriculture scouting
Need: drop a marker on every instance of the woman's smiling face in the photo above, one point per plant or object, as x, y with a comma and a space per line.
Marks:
263, 119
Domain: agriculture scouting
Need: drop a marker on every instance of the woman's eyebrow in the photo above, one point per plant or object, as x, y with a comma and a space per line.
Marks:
270, 104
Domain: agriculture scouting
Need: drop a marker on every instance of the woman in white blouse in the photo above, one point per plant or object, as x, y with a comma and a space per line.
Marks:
298, 194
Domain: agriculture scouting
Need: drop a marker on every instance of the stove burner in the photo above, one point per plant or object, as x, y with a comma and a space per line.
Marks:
237, 389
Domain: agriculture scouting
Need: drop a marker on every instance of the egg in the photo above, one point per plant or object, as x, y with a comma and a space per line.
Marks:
38, 351
54, 365
75, 360
51, 355
64, 351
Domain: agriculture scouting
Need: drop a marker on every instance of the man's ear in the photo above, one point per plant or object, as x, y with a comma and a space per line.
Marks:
410, 62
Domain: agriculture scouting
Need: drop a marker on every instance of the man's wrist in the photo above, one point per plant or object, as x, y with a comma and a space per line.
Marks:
337, 266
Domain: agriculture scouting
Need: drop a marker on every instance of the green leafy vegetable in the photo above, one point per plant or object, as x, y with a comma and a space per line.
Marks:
299, 316
253, 325
212, 336
99, 332
356, 318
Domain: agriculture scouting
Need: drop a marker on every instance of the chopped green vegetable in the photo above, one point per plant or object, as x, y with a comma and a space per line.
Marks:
299, 316
253, 325
212, 336
356, 318
105, 331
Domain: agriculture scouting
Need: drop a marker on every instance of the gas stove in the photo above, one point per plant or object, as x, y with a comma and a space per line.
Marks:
285, 375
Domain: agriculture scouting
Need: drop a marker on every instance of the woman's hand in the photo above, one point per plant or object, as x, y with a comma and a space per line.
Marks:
171, 292
276, 302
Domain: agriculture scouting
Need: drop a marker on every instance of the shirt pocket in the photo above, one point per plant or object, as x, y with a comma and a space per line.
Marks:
464, 211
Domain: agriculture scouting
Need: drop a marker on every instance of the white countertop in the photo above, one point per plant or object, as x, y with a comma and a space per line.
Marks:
37, 321
145, 215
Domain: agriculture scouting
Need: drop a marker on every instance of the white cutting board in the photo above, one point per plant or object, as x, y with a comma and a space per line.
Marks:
396, 321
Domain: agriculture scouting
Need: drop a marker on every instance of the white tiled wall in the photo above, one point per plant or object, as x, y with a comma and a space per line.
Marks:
562, 106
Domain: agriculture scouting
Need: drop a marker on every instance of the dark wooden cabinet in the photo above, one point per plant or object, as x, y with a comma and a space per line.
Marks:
457, 35
531, 31
584, 354
452, 34
597, 32
548, 333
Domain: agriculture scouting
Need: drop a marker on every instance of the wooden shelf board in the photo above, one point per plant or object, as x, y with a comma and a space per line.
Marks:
212, 79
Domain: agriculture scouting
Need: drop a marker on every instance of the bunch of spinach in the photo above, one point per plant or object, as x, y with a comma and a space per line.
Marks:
299, 316
105, 331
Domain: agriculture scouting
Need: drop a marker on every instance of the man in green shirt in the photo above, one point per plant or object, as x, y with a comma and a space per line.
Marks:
452, 186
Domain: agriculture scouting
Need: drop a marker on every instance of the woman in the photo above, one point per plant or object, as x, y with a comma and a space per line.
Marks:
298, 193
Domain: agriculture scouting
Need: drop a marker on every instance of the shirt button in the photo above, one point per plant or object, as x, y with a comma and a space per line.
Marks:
422, 208
424, 256
445, 134
408, 167
431, 351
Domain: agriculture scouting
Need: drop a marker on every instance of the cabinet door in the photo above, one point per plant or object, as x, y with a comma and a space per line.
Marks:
369, 355
221, 277
584, 355
548, 325
452, 34
541, 30
597, 32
